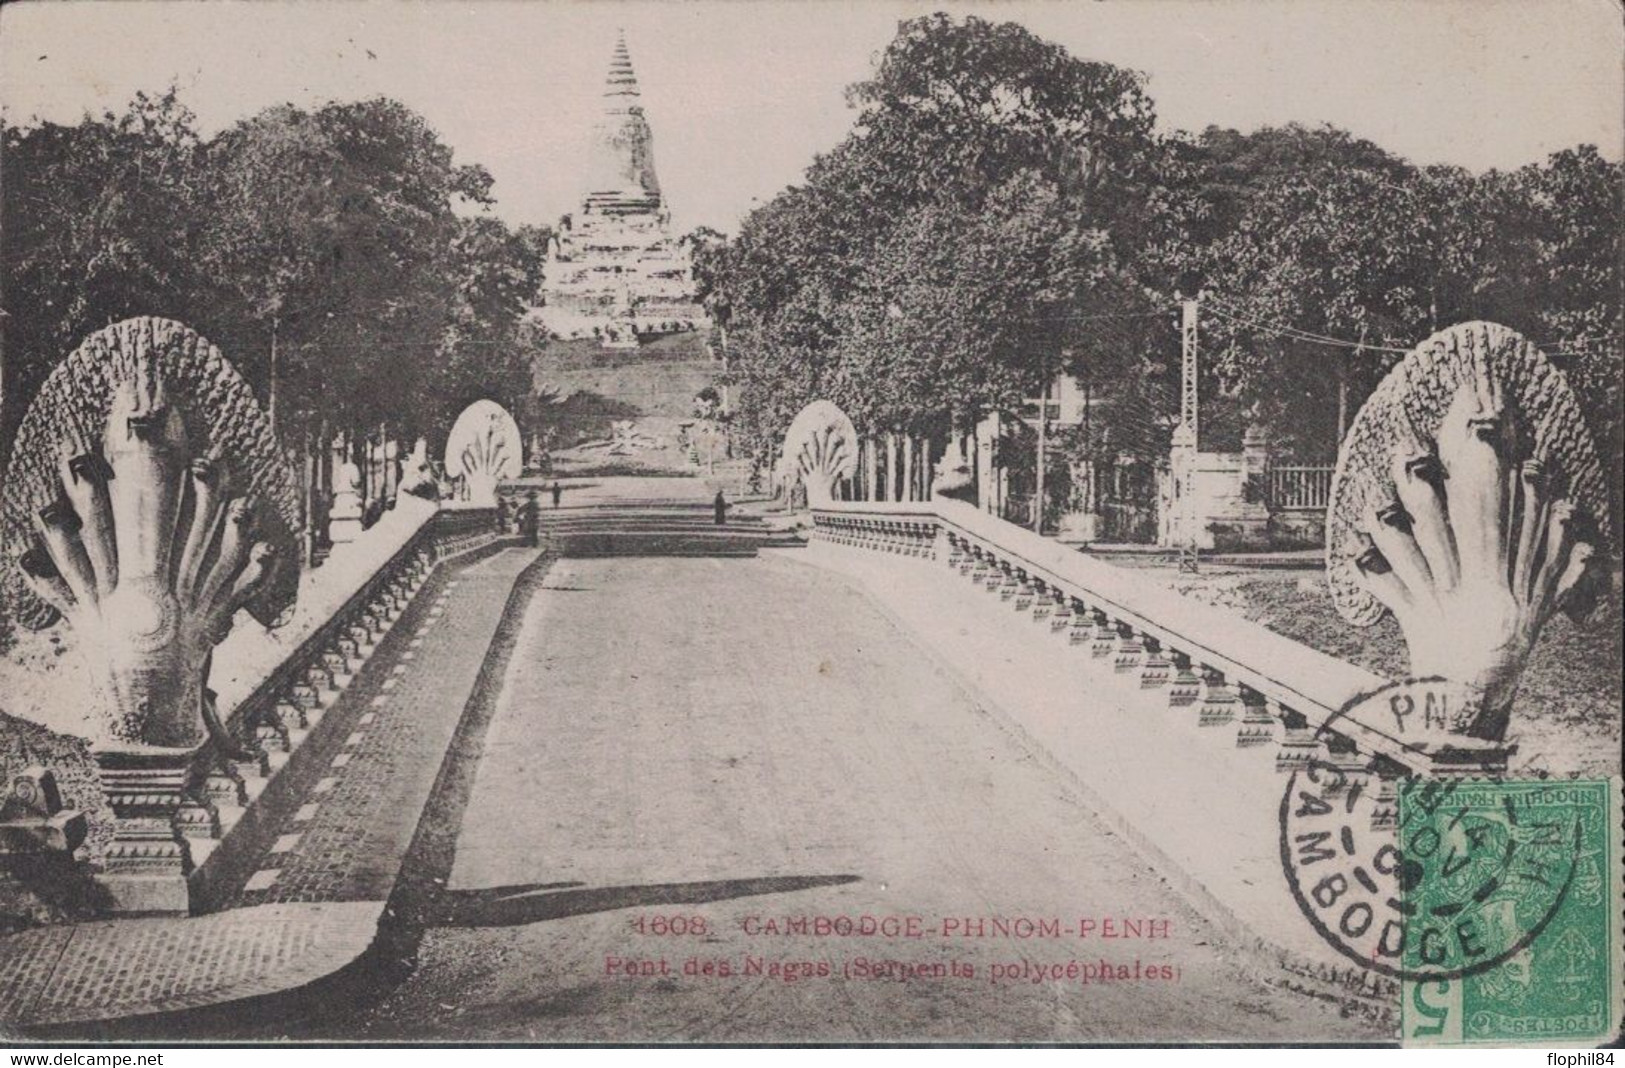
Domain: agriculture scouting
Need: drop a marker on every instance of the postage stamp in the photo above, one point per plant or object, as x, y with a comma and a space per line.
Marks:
1517, 878
1494, 901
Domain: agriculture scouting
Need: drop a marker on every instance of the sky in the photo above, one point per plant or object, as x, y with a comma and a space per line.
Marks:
742, 93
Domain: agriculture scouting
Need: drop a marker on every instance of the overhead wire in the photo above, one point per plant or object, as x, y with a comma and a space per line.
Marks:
1292, 333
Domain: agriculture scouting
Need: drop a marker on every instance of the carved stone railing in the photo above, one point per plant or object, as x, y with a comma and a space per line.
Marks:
889, 531
1232, 673
286, 705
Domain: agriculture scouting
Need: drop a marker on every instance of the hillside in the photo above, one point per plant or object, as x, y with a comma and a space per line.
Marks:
653, 386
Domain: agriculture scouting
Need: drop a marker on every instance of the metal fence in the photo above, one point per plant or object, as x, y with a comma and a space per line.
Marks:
1300, 488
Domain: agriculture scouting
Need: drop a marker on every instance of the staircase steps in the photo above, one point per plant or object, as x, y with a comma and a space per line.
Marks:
657, 528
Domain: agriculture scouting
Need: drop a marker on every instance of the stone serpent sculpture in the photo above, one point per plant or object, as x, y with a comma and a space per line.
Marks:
146, 503
1469, 502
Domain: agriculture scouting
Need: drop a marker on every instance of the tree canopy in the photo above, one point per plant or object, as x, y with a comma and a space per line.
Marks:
943, 259
344, 239
1002, 209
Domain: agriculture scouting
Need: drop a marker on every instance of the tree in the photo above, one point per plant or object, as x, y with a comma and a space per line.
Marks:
962, 312
335, 229
958, 106
491, 274
924, 271
99, 221
1562, 285
1347, 255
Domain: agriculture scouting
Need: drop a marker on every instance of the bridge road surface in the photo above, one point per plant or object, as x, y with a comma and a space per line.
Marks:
681, 742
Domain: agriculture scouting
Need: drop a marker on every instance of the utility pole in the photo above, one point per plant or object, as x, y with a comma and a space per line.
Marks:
1190, 427
1043, 440
271, 398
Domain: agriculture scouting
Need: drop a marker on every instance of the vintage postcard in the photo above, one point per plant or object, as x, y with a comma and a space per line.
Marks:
793, 522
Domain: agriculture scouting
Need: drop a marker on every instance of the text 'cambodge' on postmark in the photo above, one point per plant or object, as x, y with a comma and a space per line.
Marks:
1513, 890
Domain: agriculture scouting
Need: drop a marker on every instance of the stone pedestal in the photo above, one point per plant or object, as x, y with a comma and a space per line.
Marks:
145, 867
32, 819
344, 520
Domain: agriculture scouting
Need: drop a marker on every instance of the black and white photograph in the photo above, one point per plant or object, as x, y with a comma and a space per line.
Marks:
644, 523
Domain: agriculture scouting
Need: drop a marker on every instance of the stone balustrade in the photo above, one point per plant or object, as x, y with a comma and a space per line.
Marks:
1275, 694
908, 535
213, 819
1286, 706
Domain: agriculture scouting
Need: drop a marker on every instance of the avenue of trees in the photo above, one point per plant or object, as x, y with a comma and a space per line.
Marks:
338, 256
1002, 210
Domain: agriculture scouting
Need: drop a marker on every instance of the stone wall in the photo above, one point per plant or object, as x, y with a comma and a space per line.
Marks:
259, 676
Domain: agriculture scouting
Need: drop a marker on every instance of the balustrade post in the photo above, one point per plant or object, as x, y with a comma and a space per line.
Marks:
291, 715
1130, 649
1043, 601
1218, 700
1154, 671
1298, 745
251, 768
1081, 630
1060, 620
1385, 807
1105, 635
1257, 726
1343, 754
1185, 686
338, 667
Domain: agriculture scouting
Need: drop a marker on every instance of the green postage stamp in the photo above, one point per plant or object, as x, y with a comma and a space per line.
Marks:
1513, 890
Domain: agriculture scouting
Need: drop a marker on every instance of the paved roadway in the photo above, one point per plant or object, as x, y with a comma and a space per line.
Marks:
730, 742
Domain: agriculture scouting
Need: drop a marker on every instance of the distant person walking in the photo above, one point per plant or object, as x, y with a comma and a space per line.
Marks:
720, 507
558, 492
530, 520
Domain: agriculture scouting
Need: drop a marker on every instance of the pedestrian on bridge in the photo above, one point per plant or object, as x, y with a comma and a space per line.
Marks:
530, 520
720, 506
558, 491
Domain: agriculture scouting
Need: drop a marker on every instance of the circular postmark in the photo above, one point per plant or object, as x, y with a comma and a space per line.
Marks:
1416, 877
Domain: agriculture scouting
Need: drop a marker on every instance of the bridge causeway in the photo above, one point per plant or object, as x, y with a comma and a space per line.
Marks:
682, 725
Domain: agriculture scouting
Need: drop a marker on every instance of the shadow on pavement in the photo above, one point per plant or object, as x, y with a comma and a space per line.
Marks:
337, 1006
516, 905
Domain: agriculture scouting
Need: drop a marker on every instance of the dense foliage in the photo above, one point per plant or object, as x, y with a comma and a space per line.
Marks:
341, 244
956, 249
1002, 210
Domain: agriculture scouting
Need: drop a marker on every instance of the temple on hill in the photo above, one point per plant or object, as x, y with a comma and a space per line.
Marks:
614, 271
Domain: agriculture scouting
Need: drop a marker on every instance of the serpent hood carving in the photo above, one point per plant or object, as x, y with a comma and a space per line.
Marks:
484, 447
147, 502
1468, 501
821, 446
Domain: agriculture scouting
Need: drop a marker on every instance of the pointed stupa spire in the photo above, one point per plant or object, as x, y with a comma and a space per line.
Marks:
622, 158
622, 81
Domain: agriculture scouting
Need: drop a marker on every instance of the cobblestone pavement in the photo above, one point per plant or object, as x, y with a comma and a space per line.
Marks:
110, 968
315, 901
690, 758
347, 841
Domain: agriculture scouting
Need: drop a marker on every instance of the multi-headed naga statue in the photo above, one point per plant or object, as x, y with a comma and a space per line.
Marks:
820, 448
147, 503
1469, 502
484, 447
